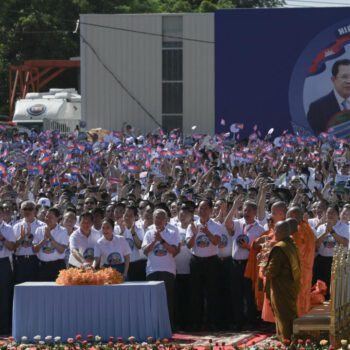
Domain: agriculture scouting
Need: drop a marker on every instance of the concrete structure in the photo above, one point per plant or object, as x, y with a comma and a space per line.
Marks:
137, 69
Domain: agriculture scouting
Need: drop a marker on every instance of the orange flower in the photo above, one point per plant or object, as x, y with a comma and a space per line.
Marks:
75, 276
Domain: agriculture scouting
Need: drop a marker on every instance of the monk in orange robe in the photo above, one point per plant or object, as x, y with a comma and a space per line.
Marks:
254, 271
304, 239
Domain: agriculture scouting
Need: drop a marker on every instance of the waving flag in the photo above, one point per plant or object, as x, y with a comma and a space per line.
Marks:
338, 152
70, 177
35, 169
44, 159
54, 181
250, 156
4, 154
133, 168
80, 147
74, 170
179, 153
114, 180
11, 170
3, 170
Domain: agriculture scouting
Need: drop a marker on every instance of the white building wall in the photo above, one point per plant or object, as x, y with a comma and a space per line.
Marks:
136, 60
199, 73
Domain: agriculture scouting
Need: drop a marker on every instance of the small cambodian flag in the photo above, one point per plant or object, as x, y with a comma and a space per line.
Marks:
133, 168
80, 147
55, 181
4, 154
74, 170
3, 170
250, 156
114, 180
179, 153
44, 160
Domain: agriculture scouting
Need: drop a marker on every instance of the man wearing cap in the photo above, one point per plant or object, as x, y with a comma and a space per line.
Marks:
50, 242
7, 246
8, 214
45, 202
26, 263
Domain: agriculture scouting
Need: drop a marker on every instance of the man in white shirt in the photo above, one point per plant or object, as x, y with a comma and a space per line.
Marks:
50, 242
330, 234
243, 231
7, 246
225, 257
183, 276
203, 238
26, 263
9, 217
82, 242
161, 245
320, 218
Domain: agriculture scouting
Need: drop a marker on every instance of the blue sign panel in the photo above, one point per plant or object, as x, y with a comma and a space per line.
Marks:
283, 69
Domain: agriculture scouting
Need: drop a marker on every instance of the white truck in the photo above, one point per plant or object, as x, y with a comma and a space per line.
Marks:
58, 109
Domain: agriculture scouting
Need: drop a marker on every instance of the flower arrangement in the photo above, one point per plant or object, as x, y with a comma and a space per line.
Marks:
90, 342
94, 342
75, 276
266, 247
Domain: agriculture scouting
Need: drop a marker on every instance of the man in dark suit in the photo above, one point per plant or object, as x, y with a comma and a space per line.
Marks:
322, 110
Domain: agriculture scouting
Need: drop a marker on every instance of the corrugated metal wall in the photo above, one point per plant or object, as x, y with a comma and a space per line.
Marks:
136, 60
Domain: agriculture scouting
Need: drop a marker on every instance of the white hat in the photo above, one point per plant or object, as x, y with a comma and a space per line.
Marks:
44, 202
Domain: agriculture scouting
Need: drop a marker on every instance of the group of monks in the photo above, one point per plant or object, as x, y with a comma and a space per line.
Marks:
304, 239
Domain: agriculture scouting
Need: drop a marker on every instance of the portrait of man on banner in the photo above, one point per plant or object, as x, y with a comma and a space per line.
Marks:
331, 112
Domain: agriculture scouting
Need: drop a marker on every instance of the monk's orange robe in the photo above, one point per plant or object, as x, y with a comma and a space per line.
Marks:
267, 313
252, 270
304, 239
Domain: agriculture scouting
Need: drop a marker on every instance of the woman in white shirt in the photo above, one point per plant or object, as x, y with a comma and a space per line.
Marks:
134, 236
330, 234
112, 250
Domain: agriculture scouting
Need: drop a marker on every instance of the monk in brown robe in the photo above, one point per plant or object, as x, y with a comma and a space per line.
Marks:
283, 280
253, 270
304, 239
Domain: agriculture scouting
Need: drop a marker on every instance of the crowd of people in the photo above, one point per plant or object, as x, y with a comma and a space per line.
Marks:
205, 214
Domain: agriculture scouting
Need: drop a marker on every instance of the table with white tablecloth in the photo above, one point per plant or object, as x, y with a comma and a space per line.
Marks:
136, 309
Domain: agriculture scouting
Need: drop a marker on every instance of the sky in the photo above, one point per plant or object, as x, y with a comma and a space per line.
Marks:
317, 3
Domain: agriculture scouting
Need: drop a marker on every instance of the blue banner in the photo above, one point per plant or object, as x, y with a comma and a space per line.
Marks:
283, 69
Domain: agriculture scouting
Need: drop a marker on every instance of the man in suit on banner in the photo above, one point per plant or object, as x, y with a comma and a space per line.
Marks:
322, 111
